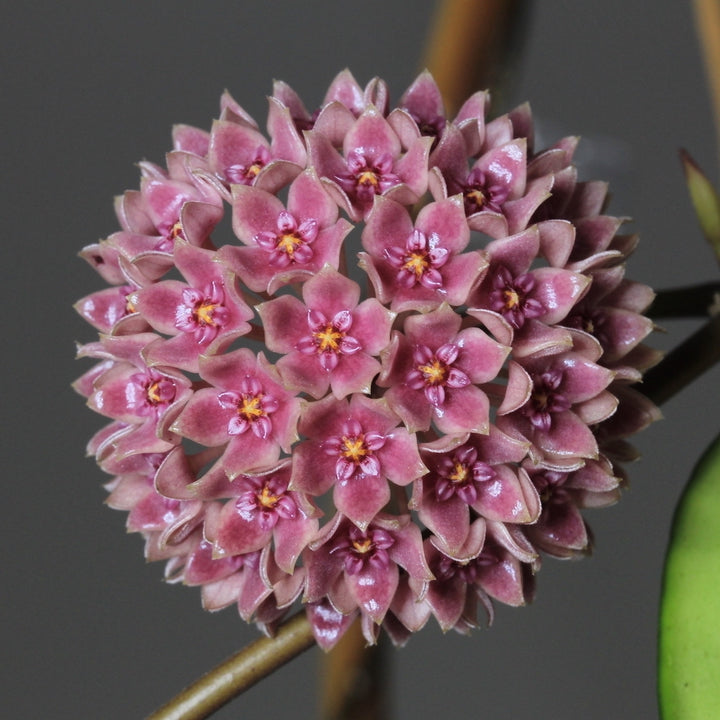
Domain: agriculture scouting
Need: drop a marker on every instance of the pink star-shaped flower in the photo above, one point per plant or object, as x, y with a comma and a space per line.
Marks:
432, 371
417, 267
355, 448
330, 340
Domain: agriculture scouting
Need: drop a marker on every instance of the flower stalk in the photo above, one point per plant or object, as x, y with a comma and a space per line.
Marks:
239, 672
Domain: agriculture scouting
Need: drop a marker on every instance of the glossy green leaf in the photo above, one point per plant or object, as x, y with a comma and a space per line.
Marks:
705, 201
689, 643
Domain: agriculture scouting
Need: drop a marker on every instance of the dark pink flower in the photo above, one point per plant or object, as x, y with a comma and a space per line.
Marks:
284, 245
330, 340
372, 164
355, 448
473, 477
432, 371
419, 266
205, 314
247, 409
360, 569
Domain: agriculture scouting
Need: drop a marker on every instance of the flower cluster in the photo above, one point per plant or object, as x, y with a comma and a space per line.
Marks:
394, 441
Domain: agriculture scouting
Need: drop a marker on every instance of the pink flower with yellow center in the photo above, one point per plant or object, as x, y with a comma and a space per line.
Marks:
329, 340
387, 439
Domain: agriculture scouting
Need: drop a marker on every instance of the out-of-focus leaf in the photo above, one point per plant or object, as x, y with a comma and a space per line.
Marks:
705, 199
689, 643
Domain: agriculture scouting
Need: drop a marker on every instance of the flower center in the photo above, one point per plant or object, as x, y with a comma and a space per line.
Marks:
127, 291
245, 174
474, 200
288, 243
353, 448
364, 546
265, 501
434, 372
150, 393
253, 170
592, 322
170, 233
510, 297
292, 241
417, 262
266, 498
157, 391
459, 473
202, 312
328, 338
176, 231
368, 178
360, 550
250, 407
545, 400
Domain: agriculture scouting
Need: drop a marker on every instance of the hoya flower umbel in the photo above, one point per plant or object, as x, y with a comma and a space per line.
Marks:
390, 384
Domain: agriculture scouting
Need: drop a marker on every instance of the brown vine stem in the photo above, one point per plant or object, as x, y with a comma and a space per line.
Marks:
354, 679
239, 672
707, 22
474, 46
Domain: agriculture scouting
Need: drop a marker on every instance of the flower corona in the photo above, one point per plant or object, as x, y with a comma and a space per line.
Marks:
397, 440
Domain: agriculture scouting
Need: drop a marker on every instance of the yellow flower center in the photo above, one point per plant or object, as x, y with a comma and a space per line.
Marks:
512, 299
363, 546
475, 196
328, 338
153, 393
354, 448
267, 499
203, 313
434, 372
129, 305
541, 400
459, 473
368, 177
250, 407
176, 231
288, 242
417, 263
253, 170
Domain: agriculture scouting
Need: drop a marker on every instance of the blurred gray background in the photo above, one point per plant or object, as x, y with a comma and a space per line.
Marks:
87, 89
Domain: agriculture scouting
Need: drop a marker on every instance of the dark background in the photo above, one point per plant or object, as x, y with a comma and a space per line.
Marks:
89, 88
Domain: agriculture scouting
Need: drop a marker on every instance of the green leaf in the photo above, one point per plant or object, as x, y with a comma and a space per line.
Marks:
689, 643
705, 200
